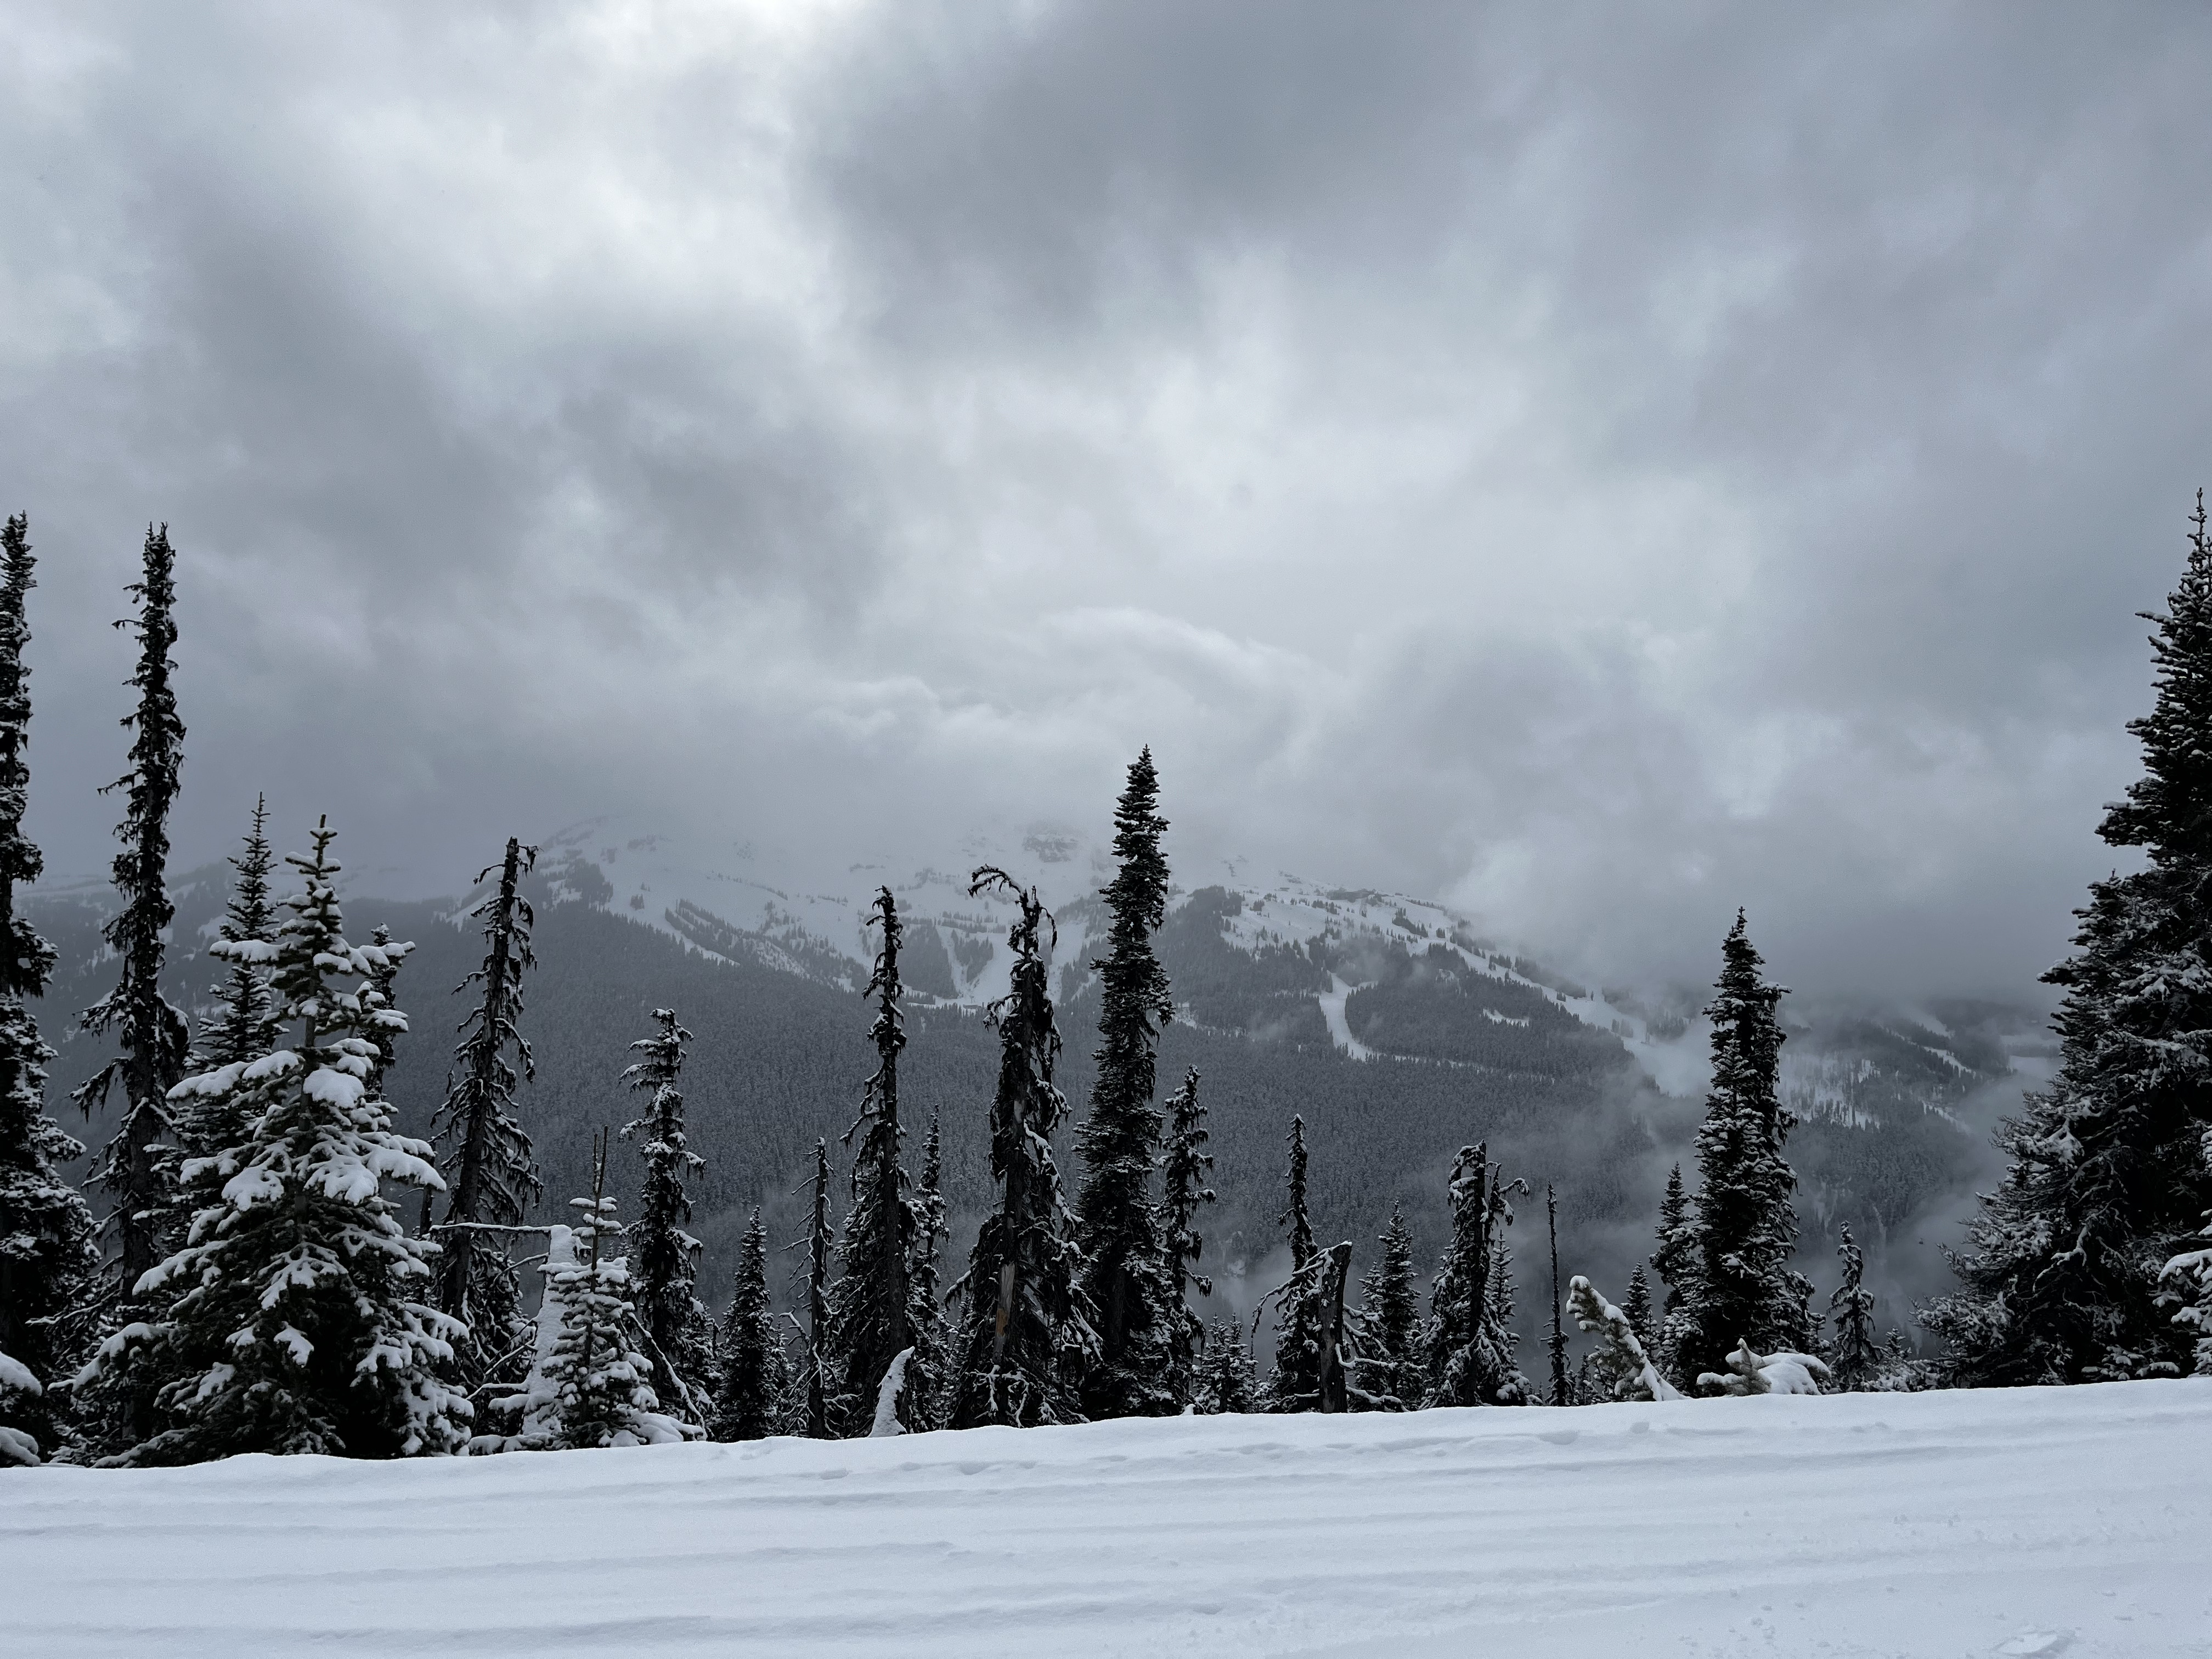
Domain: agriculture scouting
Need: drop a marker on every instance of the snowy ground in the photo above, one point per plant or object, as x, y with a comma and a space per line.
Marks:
2029, 1521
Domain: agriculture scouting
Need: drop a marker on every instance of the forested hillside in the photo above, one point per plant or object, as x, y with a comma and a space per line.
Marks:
1453, 1055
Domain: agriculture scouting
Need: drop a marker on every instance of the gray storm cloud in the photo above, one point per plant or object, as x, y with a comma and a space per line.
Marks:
1598, 467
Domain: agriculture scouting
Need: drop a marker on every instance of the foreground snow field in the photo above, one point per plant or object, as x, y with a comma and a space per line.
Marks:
2007, 1521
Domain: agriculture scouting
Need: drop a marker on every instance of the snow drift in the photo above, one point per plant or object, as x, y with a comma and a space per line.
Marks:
2011, 1522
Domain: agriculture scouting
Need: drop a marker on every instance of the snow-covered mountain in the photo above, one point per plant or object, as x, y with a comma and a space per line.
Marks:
1853, 1064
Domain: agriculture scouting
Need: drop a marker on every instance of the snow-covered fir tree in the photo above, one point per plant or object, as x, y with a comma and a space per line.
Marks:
1295, 1383
588, 1385
1470, 1338
814, 1367
1675, 1261
1618, 1367
290, 1321
928, 1374
1120, 1141
679, 1336
138, 1168
385, 982
484, 1150
2109, 1170
1636, 1305
1027, 1338
1743, 1225
1184, 1165
1388, 1374
48, 1262
246, 1023
870, 1306
2187, 1281
1226, 1382
756, 1374
1854, 1355
243, 1027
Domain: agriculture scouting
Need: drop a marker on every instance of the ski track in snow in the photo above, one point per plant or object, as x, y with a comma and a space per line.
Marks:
2026, 1520
1340, 1028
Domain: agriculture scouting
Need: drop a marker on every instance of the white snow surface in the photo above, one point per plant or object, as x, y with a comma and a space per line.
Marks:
2026, 1521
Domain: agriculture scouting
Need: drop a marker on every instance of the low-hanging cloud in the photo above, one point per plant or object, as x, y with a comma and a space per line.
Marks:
1601, 469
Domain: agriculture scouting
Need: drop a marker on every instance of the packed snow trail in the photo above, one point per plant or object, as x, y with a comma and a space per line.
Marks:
2020, 1522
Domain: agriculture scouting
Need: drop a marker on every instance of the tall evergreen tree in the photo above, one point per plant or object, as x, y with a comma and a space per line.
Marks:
48, 1261
136, 1169
928, 1378
870, 1313
1639, 1310
2109, 1170
484, 1150
1389, 1375
1027, 1338
1294, 1384
1471, 1340
817, 1425
1675, 1261
1185, 1164
293, 1326
244, 1029
1555, 1345
1854, 1355
755, 1375
384, 981
1120, 1141
1743, 1226
667, 1258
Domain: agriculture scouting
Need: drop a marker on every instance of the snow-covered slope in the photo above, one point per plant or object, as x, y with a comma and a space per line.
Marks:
2021, 1521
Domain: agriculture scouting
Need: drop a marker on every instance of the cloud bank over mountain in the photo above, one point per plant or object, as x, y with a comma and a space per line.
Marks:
1597, 470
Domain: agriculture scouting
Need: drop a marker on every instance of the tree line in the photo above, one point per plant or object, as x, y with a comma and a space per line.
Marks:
258, 1283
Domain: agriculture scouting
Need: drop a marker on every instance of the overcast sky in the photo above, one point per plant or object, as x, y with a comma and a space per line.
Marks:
1599, 465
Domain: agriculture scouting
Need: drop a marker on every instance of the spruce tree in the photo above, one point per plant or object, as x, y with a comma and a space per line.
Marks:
1294, 1384
1743, 1227
2186, 1280
587, 1387
48, 1261
1675, 1261
384, 981
1120, 1141
1636, 1305
2110, 1171
1555, 1345
244, 1028
1618, 1368
928, 1378
1185, 1164
817, 1425
677, 1334
1388, 1376
484, 1153
1027, 1339
756, 1374
1225, 1379
1854, 1356
870, 1308
290, 1323
1470, 1338
136, 1169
